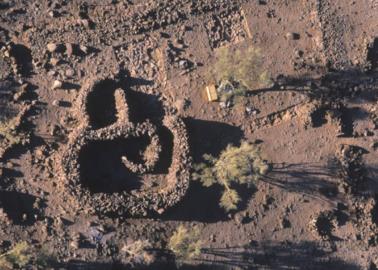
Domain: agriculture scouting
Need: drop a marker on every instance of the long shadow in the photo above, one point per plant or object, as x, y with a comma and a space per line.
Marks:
372, 55
130, 82
209, 137
18, 207
374, 211
371, 178
342, 92
7, 88
319, 181
307, 178
171, 265
334, 85
23, 57
348, 117
83, 265
200, 203
4, 5
10, 173
278, 255
265, 255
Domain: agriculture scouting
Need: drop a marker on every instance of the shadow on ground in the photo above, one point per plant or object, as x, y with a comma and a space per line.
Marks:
18, 207
200, 203
80, 265
311, 179
266, 255
281, 255
351, 84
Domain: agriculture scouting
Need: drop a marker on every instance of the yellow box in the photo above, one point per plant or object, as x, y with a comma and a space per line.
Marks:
211, 93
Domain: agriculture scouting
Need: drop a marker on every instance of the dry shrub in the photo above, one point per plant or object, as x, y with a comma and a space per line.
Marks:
243, 68
23, 255
19, 256
185, 243
138, 252
9, 133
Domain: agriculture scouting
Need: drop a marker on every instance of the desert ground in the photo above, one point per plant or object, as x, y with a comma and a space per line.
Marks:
104, 117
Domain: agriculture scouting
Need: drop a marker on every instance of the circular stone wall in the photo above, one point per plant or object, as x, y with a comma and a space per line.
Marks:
102, 160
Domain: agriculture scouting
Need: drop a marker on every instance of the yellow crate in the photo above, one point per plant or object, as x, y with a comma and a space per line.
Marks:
211, 93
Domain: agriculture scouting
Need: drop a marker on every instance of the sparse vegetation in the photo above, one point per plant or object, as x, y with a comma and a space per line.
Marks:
185, 243
44, 258
22, 255
242, 165
108, 107
9, 133
238, 71
19, 256
137, 252
8, 130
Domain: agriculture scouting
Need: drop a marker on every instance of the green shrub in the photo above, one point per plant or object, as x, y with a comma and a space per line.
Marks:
242, 165
184, 243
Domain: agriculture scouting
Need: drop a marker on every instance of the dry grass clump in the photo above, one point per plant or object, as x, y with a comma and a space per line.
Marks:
238, 71
138, 252
243, 66
9, 133
242, 165
185, 243
23, 255
19, 256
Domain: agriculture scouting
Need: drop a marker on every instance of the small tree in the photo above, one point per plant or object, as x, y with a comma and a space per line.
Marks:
242, 165
184, 243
